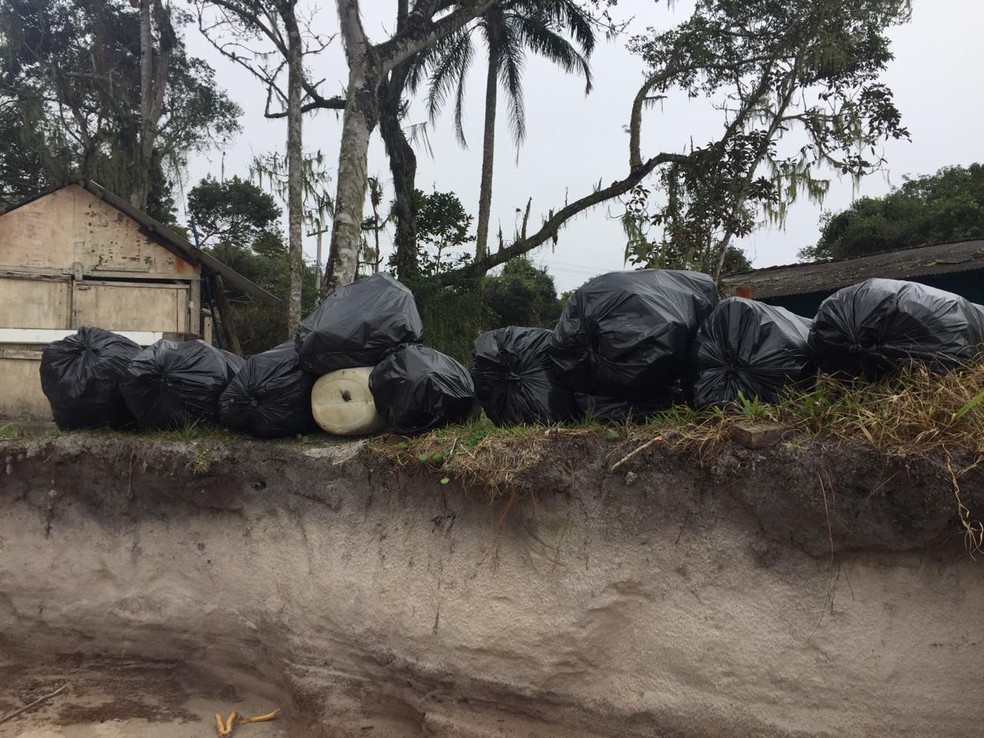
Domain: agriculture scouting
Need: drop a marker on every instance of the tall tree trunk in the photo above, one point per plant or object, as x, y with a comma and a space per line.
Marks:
153, 85
402, 160
488, 147
360, 117
403, 167
295, 181
350, 195
138, 197
367, 64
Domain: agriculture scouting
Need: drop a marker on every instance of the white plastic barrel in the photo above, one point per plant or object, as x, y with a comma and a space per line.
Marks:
342, 403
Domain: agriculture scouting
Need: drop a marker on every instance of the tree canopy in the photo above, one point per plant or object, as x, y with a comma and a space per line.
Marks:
523, 294
238, 223
795, 87
937, 208
235, 211
71, 98
808, 73
442, 226
510, 31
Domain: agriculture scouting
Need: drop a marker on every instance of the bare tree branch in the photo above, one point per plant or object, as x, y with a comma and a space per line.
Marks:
421, 31
268, 27
553, 224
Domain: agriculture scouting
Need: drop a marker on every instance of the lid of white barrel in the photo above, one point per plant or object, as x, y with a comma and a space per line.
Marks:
342, 403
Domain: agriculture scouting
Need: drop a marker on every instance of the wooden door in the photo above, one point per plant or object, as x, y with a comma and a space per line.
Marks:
132, 306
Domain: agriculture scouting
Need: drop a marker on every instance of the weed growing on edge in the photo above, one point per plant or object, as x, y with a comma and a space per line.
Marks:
202, 463
10, 432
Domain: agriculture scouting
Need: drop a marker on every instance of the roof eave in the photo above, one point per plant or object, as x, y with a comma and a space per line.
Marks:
178, 245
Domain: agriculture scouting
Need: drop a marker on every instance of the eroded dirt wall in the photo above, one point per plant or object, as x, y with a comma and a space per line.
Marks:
739, 596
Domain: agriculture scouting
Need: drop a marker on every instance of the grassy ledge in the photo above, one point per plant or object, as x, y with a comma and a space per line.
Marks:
916, 414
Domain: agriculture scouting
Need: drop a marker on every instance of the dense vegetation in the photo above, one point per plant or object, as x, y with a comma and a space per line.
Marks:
939, 208
73, 101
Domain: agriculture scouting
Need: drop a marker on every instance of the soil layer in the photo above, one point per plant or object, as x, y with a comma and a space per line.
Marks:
797, 590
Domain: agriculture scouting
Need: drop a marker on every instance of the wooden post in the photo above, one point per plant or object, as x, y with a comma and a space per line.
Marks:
321, 267
320, 270
226, 324
206, 322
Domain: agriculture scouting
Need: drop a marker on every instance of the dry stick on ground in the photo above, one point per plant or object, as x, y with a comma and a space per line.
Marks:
826, 512
829, 599
129, 476
973, 529
38, 701
629, 455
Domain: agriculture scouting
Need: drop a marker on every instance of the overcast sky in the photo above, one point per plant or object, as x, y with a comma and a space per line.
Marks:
573, 140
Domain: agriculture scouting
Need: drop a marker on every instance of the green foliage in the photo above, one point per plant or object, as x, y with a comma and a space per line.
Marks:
753, 409
524, 25
680, 247
234, 211
266, 263
944, 207
522, 295
11, 432
775, 67
70, 73
240, 220
968, 406
160, 195
442, 226
23, 170
454, 316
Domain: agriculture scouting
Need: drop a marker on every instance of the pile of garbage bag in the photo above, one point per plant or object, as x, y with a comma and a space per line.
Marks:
80, 376
514, 378
359, 325
627, 346
747, 349
626, 335
270, 397
417, 388
173, 384
873, 328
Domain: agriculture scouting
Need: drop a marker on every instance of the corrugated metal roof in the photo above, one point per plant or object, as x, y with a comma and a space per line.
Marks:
798, 279
172, 241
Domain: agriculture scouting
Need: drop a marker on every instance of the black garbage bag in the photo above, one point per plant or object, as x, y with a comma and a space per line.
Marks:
749, 348
873, 328
270, 397
617, 410
80, 376
417, 388
172, 384
514, 380
358, 326
626, 334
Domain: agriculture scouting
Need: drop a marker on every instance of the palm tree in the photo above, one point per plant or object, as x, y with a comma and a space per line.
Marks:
540, 26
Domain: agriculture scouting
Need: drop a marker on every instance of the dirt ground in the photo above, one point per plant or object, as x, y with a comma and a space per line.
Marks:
622, 588
118, 699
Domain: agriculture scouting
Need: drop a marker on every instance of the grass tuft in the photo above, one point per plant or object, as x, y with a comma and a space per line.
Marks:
10, 432
480, 453
913, 413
